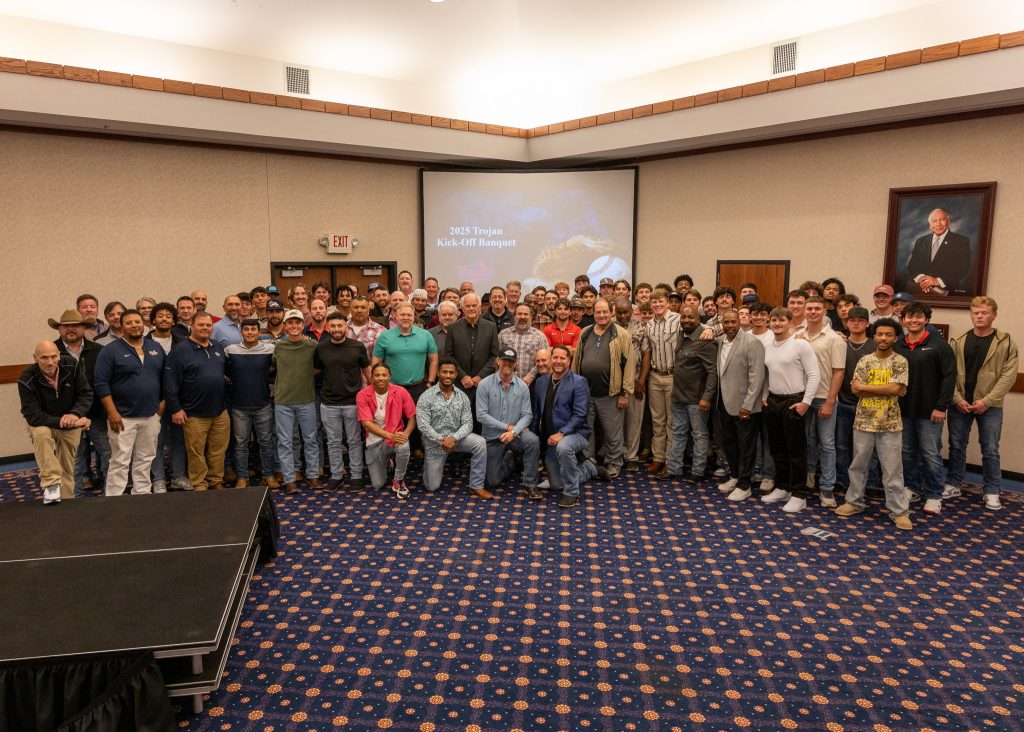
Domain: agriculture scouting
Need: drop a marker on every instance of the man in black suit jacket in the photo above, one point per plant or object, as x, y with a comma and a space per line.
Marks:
473, 343
940, 261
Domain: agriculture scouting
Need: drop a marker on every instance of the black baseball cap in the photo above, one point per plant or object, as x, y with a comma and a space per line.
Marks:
858, 312
508, 354
274, 305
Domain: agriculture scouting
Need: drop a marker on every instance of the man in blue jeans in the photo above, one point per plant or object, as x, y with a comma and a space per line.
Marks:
932, 376
830, 352
986, 369
561, 403
252, 408
694, 382
445, 418
344, 366
295, 401
858, 345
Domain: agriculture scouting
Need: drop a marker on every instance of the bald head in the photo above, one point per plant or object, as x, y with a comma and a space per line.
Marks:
47, 356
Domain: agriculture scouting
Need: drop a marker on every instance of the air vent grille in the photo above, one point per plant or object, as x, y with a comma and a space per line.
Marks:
296, 80
784, 58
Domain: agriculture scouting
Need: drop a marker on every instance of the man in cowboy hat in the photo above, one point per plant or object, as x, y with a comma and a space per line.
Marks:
73, 343
55, 397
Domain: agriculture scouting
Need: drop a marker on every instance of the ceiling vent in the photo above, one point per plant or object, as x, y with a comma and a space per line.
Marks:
296, 79
784, 58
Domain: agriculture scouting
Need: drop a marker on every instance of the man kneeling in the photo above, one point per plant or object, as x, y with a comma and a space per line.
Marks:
505, 413
562, 403
445, 418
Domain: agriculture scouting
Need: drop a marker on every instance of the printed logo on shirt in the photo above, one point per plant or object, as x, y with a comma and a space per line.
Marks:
151, 353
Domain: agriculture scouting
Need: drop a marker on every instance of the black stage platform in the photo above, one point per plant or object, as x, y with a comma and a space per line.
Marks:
163, 573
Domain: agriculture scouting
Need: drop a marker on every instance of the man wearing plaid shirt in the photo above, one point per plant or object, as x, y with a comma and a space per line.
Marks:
360, 327
525, 340
663, 330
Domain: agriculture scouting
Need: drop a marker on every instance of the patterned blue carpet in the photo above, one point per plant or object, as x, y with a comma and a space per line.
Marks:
651, 606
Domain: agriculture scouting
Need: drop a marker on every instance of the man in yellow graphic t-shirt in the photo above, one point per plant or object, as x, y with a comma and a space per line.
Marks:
879, 380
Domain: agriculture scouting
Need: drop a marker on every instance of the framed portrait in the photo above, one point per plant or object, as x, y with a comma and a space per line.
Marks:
937, 242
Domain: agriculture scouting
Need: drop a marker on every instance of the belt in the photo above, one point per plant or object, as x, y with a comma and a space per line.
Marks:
661, 372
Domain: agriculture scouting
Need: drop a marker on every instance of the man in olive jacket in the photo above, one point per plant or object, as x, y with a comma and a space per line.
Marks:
604, 357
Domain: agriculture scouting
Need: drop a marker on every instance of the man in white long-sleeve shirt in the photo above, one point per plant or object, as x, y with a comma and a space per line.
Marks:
792, 382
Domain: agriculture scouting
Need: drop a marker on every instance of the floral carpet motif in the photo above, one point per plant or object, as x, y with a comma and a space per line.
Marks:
651, 606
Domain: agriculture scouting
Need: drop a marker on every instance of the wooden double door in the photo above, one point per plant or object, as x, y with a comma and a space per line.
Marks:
288, 275
770, 276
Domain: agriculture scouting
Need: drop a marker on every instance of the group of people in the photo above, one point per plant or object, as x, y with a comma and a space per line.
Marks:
326, 386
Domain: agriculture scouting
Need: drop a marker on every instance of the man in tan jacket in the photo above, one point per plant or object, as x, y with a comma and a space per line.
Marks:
986, 369
604, 357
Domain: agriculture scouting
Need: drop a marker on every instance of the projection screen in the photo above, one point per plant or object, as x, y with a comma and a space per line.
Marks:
537, 228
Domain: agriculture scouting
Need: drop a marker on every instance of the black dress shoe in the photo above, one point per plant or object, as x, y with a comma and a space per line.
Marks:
567, 501
665, 475
602, 473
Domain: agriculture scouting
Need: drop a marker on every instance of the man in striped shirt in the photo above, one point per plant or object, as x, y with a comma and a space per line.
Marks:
663, 331
525, 340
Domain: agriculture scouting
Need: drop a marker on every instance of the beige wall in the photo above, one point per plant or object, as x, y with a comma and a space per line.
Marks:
824, 205
125, 219
132, 218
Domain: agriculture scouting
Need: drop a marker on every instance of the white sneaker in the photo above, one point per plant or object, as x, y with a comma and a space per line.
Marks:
739, 494
828, 499
767, 485
728, 485
795, 505
775, 496
951, 491
721, 473
992, 502
933, 505
544, 485
159, 486
51, 493
182, 484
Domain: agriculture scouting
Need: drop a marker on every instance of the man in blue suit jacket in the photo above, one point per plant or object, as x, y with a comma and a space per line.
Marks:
561, 401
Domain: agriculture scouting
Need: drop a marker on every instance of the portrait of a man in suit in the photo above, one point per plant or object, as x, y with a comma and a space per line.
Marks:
940, 262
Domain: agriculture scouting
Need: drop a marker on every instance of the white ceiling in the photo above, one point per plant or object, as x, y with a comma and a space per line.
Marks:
462, 44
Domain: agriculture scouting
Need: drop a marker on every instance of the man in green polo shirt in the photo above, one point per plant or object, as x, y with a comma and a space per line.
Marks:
411, 354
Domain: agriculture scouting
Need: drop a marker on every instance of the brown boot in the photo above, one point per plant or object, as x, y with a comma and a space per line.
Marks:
271, 482
314, 483
482, 493
230, 475
655, 466
242, 483
290, 488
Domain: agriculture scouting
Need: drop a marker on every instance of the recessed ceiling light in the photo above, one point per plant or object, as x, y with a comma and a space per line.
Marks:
436, 1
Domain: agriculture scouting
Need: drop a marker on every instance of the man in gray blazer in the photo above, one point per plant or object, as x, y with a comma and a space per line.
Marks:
473, 343
742, 385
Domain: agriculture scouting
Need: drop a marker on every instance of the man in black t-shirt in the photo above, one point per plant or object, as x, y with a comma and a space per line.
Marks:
344, 366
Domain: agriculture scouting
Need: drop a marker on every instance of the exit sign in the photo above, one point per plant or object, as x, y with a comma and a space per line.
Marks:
338, 244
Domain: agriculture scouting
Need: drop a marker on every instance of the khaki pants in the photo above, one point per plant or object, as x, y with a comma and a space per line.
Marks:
55, 451
634, 424
206, 442
659, 394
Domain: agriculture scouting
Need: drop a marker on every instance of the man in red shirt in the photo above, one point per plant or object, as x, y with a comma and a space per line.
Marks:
563, 332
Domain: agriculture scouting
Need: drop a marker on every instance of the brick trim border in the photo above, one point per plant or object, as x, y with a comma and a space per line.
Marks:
956, 49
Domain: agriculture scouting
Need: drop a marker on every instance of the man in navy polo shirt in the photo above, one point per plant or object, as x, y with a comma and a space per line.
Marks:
197, 400
128, 378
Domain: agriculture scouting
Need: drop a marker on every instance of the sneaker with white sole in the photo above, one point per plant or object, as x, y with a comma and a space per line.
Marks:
728, 485
992, 502
795, 505
159, 486
51, 493
775, 496
544, 485
951, 491
400, 489
767, 485
913, 495
933, 505
739, 494
828, 499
